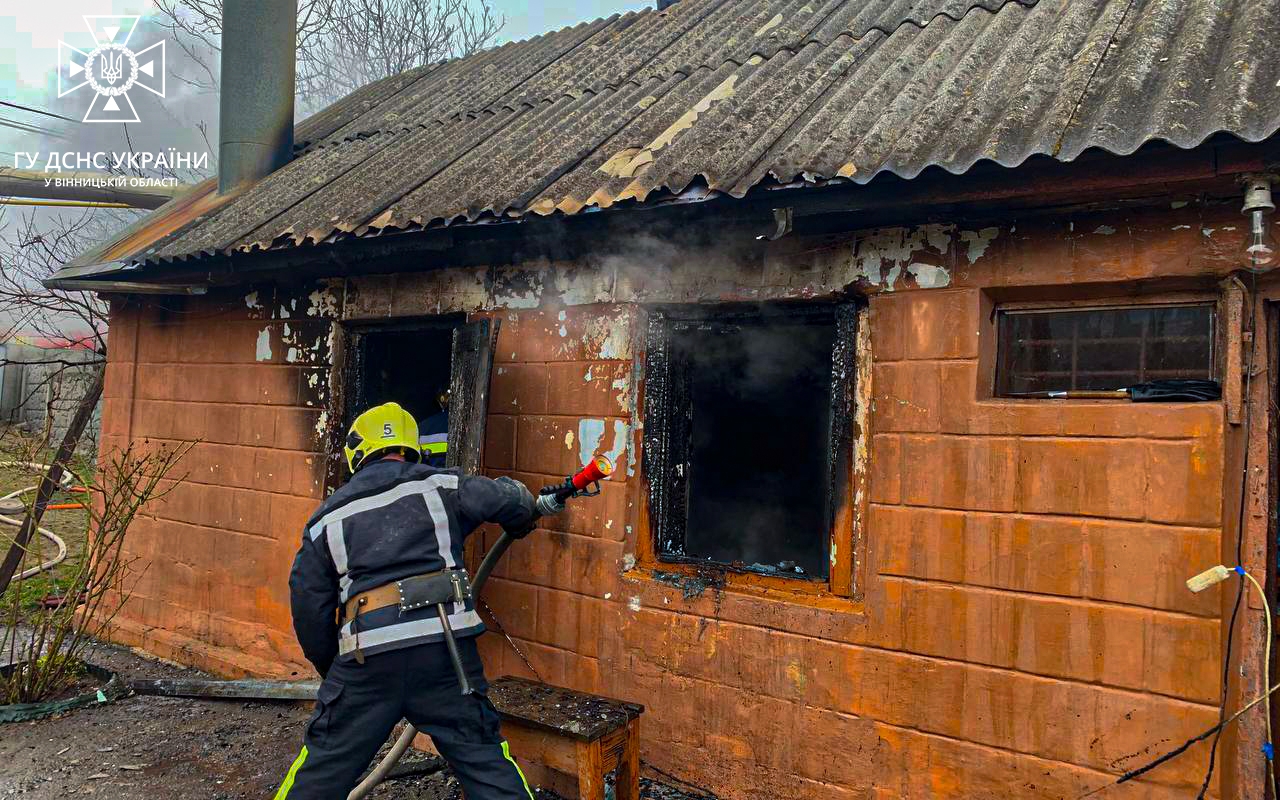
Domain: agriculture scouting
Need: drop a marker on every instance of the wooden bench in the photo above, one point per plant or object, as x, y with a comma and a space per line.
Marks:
573, 734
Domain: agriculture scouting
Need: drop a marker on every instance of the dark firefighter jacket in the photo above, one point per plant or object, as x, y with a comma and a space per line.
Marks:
392, 520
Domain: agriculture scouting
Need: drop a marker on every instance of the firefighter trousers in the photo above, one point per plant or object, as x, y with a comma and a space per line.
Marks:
358, 706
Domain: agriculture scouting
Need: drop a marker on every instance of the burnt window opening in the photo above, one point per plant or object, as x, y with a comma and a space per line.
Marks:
747, 442
410, 363
1102, 349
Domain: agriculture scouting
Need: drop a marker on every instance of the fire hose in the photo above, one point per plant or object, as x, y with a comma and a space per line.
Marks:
45, 532
551, 501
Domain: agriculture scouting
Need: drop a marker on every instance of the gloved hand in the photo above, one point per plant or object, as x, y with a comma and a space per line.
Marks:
521, 523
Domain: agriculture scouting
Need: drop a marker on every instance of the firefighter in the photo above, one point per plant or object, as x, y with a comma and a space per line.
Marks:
382, 608
433, 437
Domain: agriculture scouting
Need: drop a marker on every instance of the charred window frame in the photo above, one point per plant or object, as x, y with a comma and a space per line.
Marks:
1103, 347
672, 418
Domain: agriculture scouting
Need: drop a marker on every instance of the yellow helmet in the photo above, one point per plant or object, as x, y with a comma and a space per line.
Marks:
381, 428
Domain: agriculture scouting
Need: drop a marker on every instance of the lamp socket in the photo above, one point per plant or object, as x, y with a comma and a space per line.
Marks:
1210, 577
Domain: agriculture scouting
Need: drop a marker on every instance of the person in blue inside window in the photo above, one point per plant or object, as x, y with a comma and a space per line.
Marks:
433, 435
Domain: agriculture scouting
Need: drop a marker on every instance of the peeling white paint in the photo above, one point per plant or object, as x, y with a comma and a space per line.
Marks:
563, 331
587, 378
1105, 230
590, 432
621, 434
568, 441
322, 422
1182, 227
251, 300
890, 248
892, 277
292, 355
610, 337
1207, 232
561, 316
527, 298
929, 276
634, 603
938, 236
978, 241
608, 595
322, 303
1178, 204
629, 561
263, 352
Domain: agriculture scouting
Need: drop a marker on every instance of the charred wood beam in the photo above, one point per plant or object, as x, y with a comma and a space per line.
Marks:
249, 689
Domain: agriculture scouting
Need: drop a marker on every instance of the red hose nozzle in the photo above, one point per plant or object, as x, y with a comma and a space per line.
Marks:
598, 469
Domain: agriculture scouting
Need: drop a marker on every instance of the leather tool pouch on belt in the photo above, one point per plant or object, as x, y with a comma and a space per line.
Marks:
439, 589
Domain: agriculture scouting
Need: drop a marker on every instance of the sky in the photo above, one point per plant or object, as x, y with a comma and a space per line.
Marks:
30, 32
29, 55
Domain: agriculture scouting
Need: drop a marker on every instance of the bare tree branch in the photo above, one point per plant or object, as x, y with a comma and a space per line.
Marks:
345, 44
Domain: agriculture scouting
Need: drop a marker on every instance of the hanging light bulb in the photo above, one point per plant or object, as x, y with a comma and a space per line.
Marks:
1261, 251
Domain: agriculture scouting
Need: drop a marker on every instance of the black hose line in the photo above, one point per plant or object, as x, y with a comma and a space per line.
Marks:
491, 559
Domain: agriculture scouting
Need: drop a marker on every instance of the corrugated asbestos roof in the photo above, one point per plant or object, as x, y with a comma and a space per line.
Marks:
734, 92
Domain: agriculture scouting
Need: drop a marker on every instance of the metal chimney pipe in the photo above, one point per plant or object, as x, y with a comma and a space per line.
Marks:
255, 130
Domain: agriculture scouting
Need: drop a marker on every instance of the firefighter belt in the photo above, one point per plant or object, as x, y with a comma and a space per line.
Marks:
419, 591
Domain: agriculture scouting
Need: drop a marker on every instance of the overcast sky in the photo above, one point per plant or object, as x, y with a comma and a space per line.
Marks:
29, 34
30, 31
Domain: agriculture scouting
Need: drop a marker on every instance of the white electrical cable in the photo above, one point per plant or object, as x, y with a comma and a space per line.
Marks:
1212, 577
1266, 681
45, 532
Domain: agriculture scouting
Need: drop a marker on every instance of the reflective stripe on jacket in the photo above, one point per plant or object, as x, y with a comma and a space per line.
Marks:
390, 521
434, 443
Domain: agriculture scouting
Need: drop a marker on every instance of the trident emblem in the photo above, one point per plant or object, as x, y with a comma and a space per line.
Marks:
112, 66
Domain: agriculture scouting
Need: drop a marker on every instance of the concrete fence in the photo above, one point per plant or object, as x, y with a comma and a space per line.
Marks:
40, 388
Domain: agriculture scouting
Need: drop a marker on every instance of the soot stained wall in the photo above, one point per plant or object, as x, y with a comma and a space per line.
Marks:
1022, 630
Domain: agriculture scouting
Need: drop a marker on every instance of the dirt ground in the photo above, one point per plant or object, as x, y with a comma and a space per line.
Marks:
160, 747
181, 749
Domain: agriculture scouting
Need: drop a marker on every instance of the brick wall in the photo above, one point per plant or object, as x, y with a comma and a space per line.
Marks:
239, 373
1025, 623
1022, 628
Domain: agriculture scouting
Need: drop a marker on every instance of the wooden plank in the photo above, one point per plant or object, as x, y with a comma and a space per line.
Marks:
542, 747
1233, 378
235, 690
577, 715
627, 781
590, 771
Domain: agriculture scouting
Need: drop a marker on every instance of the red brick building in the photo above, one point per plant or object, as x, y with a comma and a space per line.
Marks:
836, 261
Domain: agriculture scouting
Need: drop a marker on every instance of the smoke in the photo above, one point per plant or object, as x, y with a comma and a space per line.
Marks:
760, 390
674, 262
